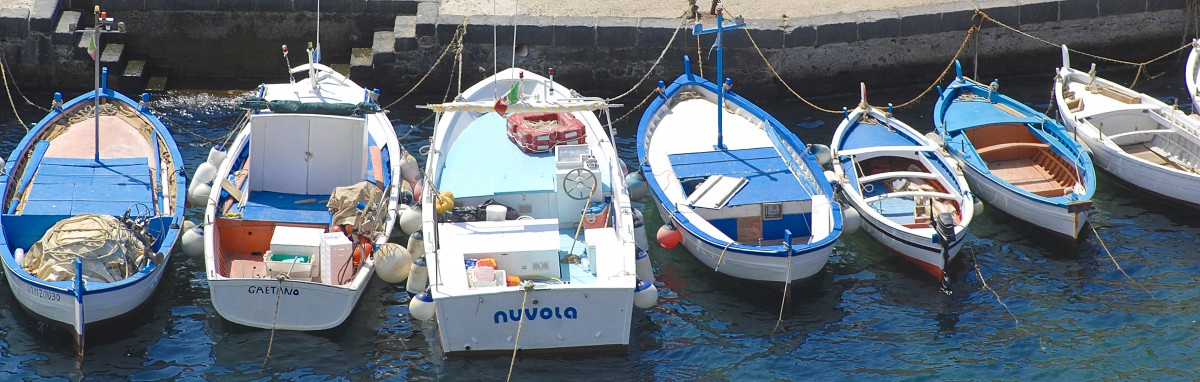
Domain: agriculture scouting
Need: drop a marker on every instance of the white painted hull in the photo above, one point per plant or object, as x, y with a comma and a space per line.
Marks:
908, 243
750, 266
1163, 181
1056, 220
57, 304
555, 317
1192, 76
563, 317
302, 305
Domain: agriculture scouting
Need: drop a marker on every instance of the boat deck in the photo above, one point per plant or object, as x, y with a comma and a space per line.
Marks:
1027, 175
768, 177
1151, 154
484, 162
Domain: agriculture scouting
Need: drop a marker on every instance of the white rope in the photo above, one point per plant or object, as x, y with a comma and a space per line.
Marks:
787, 286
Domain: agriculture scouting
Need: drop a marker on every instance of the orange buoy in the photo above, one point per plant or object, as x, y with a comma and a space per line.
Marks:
364, 248
668, 236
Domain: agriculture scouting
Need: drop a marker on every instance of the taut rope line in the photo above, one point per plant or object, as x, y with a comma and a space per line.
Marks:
454, 41
1114, 261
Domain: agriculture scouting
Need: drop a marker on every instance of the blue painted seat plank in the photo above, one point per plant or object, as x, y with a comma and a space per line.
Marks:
484, 162
281, 207
768, 177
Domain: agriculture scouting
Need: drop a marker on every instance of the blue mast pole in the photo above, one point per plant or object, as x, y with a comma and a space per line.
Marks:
698, 30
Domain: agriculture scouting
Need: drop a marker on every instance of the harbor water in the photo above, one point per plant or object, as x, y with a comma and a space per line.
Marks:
1122, 304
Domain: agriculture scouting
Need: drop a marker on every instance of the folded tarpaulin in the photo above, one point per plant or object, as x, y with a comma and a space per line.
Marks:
297, 107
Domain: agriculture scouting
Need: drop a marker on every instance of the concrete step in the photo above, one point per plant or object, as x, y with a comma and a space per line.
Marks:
156, 84
112, 57
383, 48
361, 69
135, 75
405, 33
63, 32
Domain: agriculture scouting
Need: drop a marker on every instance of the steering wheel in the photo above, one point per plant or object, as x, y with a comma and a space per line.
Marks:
579, 184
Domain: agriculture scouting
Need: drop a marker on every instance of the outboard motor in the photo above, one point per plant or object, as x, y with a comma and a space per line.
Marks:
944, 225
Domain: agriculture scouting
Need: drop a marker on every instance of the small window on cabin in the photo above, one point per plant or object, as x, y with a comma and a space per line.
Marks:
772, 211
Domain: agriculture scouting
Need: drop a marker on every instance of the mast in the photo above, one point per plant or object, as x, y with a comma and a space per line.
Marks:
721, 85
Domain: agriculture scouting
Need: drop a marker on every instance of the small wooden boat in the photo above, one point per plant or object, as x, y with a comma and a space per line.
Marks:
1191, 74
528, 227
93, 204
912, 198
743, 191
1016, 159
310, 187
1135, 137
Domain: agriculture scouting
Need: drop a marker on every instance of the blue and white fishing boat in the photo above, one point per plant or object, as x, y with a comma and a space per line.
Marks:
1140, 140
1017, 159
307, 191
527, 223
912, 198
743, 192
93, 205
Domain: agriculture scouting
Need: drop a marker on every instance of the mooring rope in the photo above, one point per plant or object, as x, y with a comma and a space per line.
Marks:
787, 286
970, 32
722, 257
454, 41
655, 65
4, 74
1141, 66
517, 339
989, 288
275, 319
1114, 261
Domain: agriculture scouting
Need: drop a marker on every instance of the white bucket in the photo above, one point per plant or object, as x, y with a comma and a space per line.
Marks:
496, 212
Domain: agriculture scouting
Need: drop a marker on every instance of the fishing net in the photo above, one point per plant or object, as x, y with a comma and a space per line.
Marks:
109, 250
343, 203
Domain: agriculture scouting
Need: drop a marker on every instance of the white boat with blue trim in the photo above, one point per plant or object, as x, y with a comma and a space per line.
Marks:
1191, 75
551, 265
1016, 159
1140, 140
742, 190
309, 188
912, 198
93, 204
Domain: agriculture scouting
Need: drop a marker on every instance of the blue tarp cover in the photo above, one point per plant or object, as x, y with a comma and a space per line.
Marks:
768, 178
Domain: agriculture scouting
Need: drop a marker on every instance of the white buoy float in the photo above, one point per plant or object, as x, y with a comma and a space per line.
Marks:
645, 270
639, 231
408, 168
851, 220
418, 277
821, 153
216, 157
409, 219
416, 245
421, 307
636, 183
198, 193
978, 204
392, 263
645, 295
193, 239
833, 178
19, 255
204, 174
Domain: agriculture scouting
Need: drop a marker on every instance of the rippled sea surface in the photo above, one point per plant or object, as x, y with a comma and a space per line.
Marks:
1122, 304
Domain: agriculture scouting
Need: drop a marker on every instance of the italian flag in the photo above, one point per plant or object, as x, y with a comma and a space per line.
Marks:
91, 49
513, 96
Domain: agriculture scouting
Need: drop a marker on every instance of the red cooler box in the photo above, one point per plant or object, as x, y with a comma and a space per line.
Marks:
539, 132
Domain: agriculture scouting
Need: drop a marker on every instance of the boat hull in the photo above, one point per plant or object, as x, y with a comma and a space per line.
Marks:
577, 318
286, 304
920, 250
1056, 220
760, 266
58, 304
